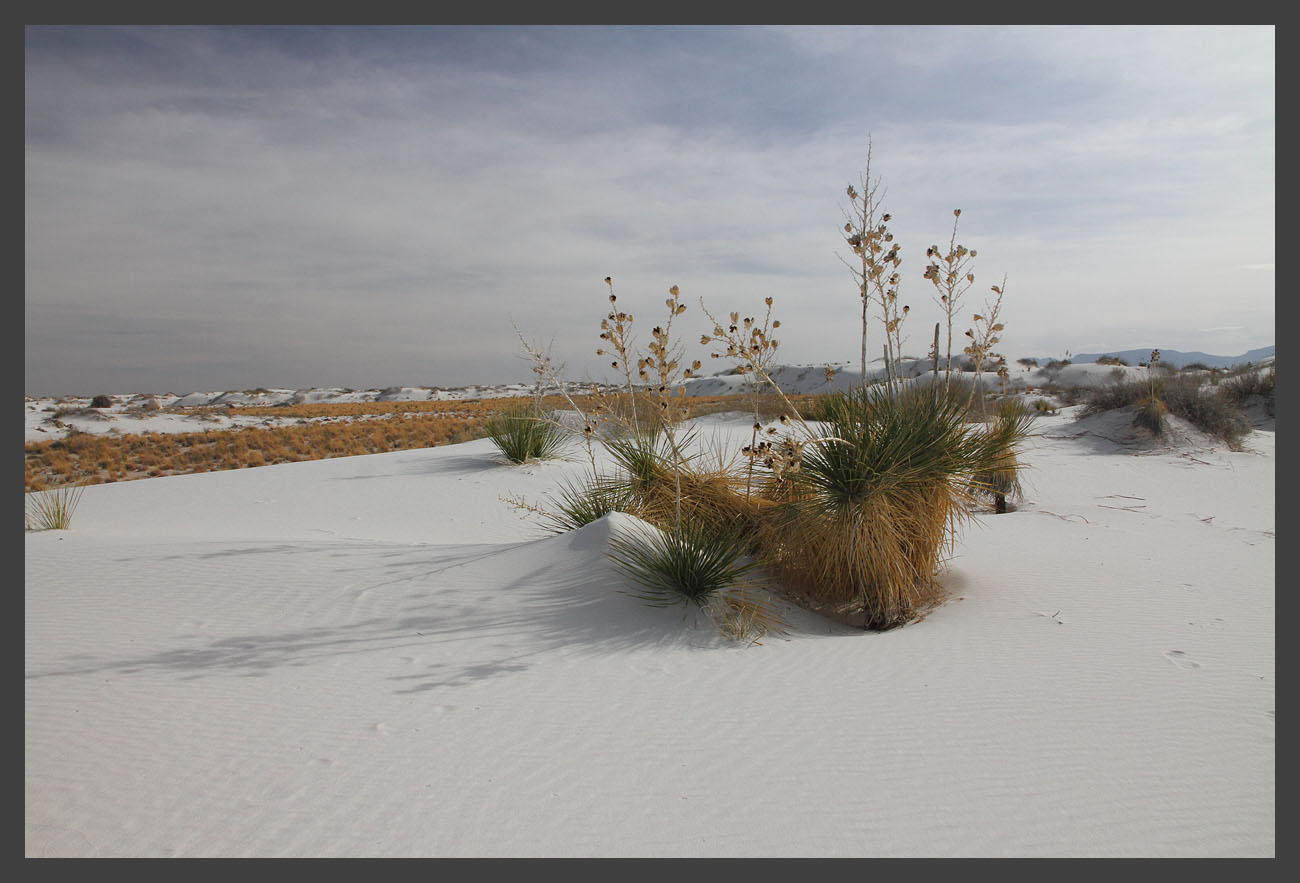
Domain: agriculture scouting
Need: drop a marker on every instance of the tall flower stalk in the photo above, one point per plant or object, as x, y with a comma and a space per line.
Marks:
875, 268
950, 273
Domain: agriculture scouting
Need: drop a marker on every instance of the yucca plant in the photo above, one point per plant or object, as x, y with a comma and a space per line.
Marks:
52, 509
866, 520
689, 564
579, 504
524, 433
819, 407
1008, 429
1151, 415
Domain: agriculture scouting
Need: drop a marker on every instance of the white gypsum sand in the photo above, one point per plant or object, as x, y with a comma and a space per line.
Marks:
376, 656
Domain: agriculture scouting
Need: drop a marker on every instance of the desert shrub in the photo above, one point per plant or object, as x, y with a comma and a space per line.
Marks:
1111, 360
1115, 395
972, 392
1237, 390
1196, 366
866, 519
1056, 364
1207, 409
101, 401
52, 509
1145, 395
524, 433
1028, 362
1043, 406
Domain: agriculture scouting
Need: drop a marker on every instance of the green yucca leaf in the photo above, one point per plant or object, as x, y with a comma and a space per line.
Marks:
687, 565
579, 504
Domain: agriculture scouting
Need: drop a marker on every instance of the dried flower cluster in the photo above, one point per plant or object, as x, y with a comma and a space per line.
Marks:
875, 271
985, 335
781, 454
950, 274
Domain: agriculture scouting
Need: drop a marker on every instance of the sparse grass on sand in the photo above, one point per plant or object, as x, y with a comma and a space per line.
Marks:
52, 509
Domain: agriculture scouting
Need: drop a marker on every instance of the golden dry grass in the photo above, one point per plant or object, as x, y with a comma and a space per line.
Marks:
348, 429
872, 564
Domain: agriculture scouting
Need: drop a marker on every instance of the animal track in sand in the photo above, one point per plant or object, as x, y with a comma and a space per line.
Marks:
1181, 659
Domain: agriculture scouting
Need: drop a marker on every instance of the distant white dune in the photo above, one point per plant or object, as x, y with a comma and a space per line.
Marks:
48, 418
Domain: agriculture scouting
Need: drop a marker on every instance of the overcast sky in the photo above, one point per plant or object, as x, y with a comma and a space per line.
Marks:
229, 208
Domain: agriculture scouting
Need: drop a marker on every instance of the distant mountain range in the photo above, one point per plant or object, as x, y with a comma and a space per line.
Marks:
1175, 358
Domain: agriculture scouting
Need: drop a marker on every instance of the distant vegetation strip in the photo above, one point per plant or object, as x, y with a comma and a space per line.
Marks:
94, 459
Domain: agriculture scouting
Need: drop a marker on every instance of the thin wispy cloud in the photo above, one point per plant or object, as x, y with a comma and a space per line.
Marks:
238, 207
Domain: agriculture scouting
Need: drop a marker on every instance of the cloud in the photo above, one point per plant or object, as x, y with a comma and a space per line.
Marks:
406, 191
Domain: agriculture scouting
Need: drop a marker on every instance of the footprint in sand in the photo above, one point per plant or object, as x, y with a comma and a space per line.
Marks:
1181, 659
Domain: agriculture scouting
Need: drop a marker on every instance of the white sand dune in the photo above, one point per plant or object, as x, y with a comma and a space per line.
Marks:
376, 656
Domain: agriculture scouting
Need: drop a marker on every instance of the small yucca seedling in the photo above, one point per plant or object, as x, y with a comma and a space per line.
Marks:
525, 433
52, 509
1151, 415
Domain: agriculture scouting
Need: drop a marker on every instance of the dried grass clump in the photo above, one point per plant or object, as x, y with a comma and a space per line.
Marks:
1113, 396
866, 521
661, 489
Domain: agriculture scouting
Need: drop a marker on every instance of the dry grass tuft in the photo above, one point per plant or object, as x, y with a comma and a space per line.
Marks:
52, 509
